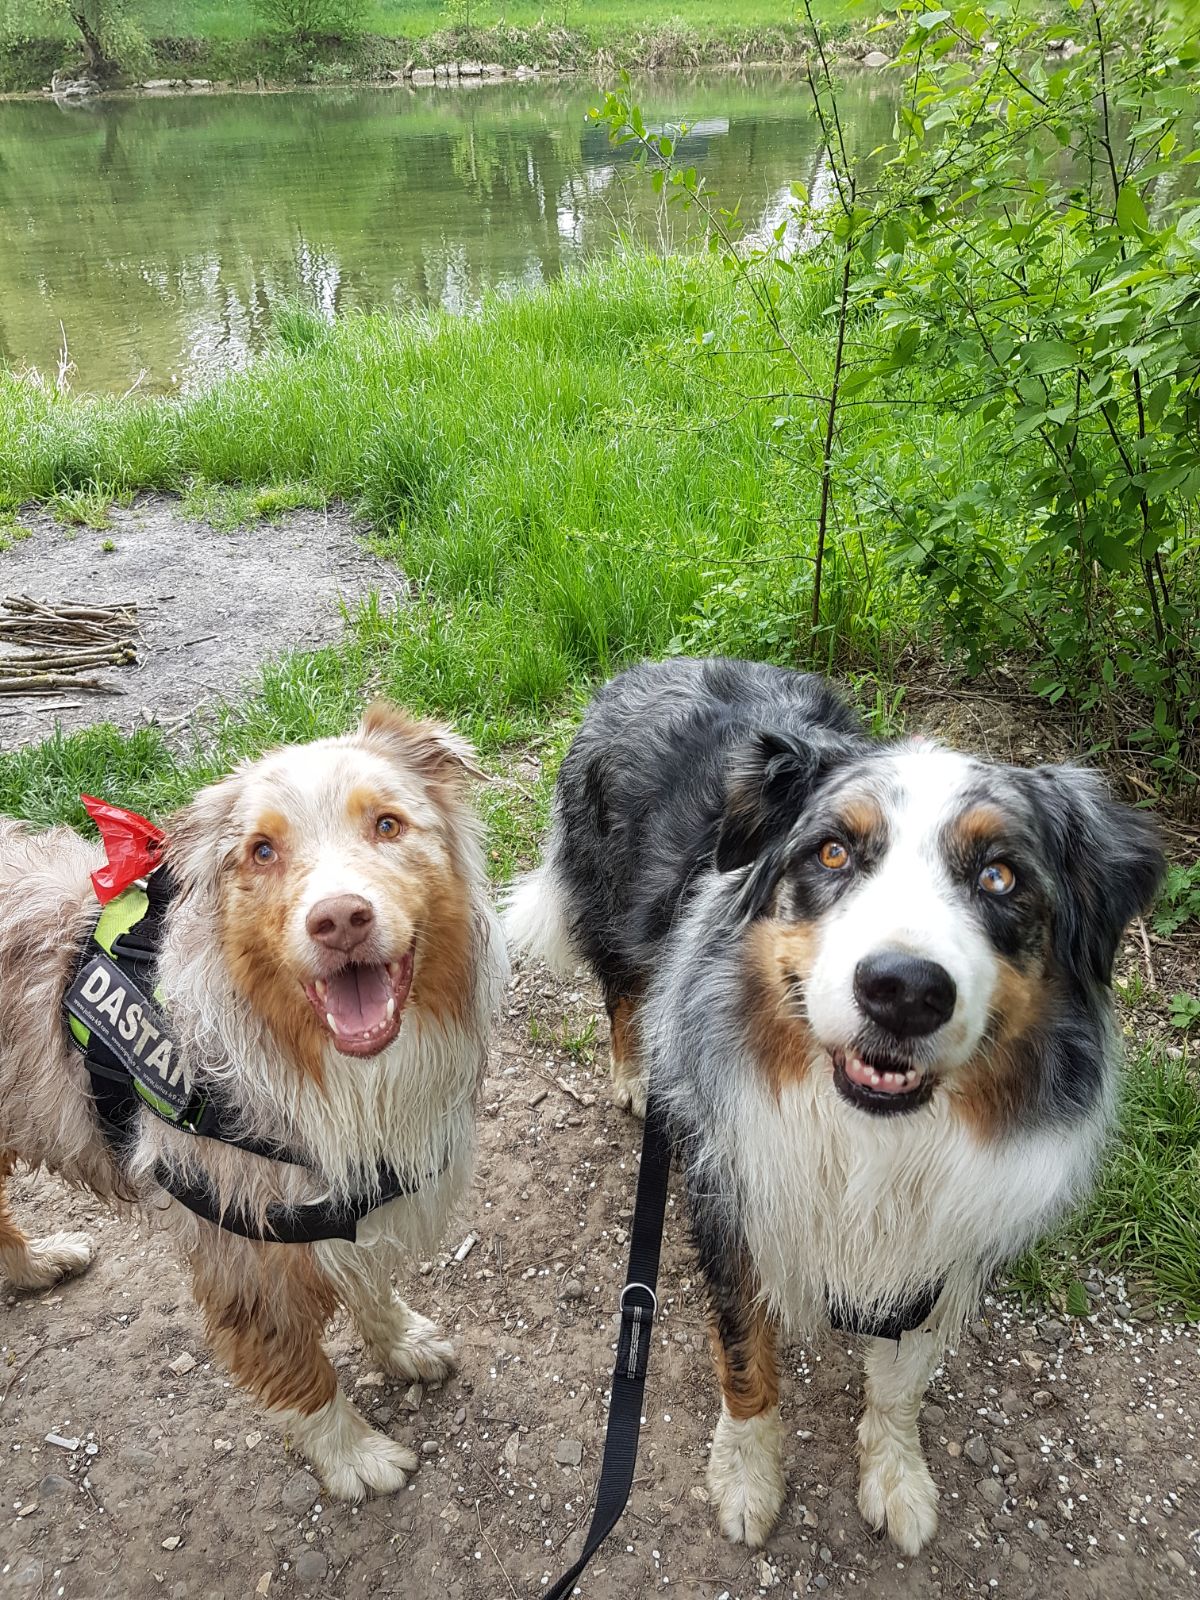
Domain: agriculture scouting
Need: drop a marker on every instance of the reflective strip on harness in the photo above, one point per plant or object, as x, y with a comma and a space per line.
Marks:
107, 1001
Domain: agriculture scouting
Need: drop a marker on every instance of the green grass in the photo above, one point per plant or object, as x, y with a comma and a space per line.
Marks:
225, 508
226, 40
84, 506
565, 473
414, 19
1144, 1217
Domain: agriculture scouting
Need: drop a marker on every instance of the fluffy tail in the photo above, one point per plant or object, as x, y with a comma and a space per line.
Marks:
534, 918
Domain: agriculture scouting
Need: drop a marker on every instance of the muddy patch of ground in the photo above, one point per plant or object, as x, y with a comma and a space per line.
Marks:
213, 606
1065, 1450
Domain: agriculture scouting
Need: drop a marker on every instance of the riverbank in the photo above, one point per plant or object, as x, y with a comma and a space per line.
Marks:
505, 48
589, 472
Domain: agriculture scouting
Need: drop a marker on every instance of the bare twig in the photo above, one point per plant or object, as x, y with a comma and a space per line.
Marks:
1145, 938
50, 645
495, 1557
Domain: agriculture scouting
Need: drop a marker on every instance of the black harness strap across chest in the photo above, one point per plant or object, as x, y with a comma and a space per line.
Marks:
118, 1103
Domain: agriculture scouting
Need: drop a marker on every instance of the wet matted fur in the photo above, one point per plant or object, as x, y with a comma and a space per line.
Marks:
870, 984
330, 966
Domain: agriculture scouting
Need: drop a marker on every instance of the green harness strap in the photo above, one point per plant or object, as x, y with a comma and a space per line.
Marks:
117, 917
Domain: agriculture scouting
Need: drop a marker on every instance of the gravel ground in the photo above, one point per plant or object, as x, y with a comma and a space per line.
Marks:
213, 606
1065, 1451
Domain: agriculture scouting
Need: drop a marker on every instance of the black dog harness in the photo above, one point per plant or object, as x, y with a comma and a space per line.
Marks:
114, 1016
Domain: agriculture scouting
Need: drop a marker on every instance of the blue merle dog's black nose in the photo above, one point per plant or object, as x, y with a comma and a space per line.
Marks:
905, 994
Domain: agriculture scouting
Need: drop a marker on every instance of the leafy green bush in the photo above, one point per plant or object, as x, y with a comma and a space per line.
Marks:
306, 20
1039, 248
1004, 425
1179, 902
107, 29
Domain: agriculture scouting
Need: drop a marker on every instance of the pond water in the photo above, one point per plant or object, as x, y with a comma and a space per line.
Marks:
153, 236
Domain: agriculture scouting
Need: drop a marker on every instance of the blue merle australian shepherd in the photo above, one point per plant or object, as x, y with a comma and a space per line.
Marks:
869, 983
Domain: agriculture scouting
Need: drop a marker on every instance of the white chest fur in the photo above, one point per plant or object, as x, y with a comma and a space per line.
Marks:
871, 1210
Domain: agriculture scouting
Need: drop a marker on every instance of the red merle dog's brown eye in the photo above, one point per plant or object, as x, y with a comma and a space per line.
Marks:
264, 853
997, 878
833, 855
389, 827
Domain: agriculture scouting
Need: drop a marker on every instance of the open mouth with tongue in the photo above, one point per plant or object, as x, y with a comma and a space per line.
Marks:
878, 1085
362, 1006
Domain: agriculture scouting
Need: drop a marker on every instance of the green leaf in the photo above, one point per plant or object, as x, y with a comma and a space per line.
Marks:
1046, 355
931, 19
1131, 211
1078, 1304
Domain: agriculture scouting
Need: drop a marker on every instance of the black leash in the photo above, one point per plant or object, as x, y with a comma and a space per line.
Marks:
638, 1306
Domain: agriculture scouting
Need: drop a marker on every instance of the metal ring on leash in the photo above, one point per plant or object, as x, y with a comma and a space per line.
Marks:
649, 1291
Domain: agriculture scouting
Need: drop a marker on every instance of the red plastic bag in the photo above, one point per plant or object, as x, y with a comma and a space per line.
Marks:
132, 844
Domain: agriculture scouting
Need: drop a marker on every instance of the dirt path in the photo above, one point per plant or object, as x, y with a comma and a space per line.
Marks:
1066, 1455
213, 606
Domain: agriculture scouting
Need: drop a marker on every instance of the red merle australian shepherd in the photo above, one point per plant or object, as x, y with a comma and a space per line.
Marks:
870, 984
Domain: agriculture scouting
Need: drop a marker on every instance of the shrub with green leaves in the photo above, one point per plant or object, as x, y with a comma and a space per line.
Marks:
1004, 429
1038, 247
108, 30
305, 20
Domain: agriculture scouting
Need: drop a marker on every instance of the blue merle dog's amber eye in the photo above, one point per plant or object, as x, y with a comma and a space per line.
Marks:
997, 878
833, 855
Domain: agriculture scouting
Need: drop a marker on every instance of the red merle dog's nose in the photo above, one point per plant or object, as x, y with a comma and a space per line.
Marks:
342, 922
905, 994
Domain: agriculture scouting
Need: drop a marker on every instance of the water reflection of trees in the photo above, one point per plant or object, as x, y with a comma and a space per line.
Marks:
160, 232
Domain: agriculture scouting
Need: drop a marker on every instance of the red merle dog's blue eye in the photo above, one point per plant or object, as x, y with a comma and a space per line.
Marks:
264, 853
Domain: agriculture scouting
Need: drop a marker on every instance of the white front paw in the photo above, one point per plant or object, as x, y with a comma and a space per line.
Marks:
896, 1490
419, 1352
45, 1262
629, 1094
376, 1463
745, 1476
349, 1456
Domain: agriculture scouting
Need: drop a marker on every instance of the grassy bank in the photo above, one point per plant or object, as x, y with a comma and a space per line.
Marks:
576, 477
572, 476
222, 41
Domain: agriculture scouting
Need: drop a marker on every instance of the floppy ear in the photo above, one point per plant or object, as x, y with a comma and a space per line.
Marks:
430, 749
770, 778
201, 838
1108, 864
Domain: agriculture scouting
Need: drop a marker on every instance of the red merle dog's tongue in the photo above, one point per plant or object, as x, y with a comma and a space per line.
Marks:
356, 1000
362, 1004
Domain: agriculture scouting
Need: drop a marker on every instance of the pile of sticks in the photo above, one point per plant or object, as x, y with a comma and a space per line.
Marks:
45, 648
